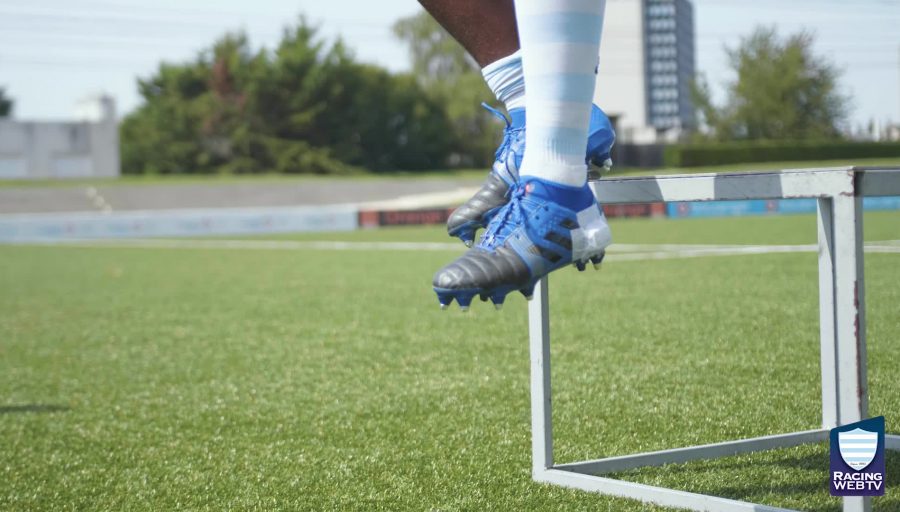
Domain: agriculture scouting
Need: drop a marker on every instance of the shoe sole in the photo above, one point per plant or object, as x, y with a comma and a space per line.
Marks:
497, 295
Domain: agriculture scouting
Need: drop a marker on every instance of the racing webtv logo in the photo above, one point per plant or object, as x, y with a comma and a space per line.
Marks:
857, 458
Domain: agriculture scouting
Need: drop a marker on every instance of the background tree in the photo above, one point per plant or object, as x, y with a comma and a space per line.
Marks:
305, 106
782, 91
6, 103
450, 76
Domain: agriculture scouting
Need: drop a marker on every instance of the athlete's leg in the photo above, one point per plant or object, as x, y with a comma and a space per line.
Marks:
560, 46
552, 218
485, 28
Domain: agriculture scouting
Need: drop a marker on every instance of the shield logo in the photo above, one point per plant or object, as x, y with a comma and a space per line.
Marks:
858, 447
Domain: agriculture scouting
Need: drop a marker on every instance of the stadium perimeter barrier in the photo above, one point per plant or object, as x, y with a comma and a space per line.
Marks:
838, 194
249, 221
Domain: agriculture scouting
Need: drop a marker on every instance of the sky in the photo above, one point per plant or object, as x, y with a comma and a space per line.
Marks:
55, 52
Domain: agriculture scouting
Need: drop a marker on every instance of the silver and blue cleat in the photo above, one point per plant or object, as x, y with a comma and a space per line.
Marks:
495, 192
543, 227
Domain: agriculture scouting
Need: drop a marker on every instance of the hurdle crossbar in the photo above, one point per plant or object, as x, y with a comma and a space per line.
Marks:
842, 329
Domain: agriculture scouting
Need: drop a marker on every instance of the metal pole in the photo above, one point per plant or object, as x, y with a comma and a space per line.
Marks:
541, 414
850, 321
849, 300
828, 351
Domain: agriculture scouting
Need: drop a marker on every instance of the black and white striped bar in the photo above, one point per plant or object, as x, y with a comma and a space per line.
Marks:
786, 184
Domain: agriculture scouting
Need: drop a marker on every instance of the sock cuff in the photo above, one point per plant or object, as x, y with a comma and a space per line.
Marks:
506, 80
504, 63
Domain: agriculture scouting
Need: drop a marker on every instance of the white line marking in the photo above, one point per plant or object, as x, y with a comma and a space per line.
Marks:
290, 245
99, 201
429, 200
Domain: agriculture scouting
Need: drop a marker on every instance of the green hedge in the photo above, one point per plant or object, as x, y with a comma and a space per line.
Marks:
694, 155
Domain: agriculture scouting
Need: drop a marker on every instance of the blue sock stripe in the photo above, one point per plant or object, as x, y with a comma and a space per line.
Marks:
575, 87
563, 114
535, 7
577, 58
567, 27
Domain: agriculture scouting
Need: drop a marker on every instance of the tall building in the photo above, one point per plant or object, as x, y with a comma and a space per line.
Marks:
646, 68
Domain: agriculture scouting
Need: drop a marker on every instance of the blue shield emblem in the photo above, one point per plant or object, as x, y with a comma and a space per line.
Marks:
858, 447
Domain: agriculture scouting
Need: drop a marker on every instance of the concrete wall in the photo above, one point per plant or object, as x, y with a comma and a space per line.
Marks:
49, 150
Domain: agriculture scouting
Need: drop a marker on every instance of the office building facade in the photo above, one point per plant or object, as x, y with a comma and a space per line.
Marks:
647, 64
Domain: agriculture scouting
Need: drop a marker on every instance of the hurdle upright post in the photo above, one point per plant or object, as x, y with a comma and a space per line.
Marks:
541, 409
828, 342
849, 320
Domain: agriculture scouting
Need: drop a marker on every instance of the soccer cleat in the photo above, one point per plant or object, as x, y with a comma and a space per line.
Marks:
495, 191
544, 226
601, 138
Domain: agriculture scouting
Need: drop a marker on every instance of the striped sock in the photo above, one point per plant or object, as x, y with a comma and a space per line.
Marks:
560, 42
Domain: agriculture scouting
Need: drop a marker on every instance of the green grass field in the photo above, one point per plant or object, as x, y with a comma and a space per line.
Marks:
199, 379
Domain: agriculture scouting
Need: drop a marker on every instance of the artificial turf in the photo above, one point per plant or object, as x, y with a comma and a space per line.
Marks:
153, 379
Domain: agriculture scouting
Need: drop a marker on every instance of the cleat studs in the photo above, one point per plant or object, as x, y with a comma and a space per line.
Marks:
464, 309
528, 291
598, 259
483, 297
499, 306
468, 238
464, 301
498, 301
445, 299
580, 266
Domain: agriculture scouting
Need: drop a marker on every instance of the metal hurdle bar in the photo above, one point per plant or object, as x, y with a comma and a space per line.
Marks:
842, 323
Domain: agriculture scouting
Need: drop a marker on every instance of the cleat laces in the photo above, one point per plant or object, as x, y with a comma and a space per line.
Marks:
510, 134
508, 219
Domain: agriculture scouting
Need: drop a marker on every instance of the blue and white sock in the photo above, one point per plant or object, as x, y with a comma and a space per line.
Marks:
506, 80
560, 42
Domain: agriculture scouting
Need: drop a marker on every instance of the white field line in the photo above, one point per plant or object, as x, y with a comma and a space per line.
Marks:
617, 252
98, 200
429, 200
266, 245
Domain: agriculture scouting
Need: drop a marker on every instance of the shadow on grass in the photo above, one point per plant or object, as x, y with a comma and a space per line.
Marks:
32, 408
746, 490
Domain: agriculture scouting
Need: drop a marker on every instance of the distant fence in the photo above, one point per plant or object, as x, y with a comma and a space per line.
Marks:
251, 221
763, 207
378, 218
176, 223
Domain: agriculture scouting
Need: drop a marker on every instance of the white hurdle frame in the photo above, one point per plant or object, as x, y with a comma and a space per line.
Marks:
842, 328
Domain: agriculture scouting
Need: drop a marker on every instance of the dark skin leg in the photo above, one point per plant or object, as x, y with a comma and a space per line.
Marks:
485, 28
